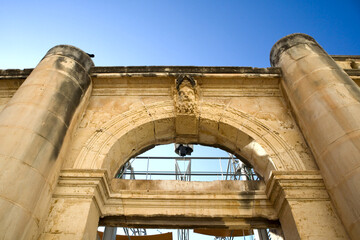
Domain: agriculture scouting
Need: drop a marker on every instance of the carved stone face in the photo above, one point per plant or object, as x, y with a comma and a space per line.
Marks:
186, 93
186, 98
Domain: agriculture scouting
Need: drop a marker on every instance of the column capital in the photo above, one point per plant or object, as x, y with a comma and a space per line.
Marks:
295, 185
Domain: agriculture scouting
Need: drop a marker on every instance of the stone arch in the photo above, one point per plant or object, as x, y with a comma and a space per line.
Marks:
137, 130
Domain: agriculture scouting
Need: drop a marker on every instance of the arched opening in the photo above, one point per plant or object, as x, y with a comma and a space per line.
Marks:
136, 131
203, 164
227, 138
242, 206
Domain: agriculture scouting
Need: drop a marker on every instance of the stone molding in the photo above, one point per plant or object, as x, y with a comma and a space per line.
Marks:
87, 184
161, 84
303, 205
93, 154
295, 185
107, 83
246, 206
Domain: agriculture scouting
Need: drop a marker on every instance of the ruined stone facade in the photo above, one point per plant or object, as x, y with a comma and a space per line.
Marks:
66, 127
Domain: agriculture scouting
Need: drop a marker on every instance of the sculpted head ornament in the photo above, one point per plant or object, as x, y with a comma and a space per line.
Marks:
186, 94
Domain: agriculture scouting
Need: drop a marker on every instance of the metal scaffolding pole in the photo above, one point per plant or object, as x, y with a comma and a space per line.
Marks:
262, 234
110, 233
183, 234
183, 150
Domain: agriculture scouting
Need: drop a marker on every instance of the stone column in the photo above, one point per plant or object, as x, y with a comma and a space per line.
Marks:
303, 205
34, 127
326, 103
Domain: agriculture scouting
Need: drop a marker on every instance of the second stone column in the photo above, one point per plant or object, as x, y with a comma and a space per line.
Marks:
326, 103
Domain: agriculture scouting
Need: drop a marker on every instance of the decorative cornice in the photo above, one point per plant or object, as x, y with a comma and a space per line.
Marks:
184, 70
84, 183
151, 71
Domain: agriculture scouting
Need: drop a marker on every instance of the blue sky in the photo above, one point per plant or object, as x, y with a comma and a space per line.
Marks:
197, 32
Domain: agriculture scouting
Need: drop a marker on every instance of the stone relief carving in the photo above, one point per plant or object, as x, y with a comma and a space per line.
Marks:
186, 95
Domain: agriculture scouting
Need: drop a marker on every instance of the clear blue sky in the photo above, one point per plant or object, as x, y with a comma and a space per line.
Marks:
197, 32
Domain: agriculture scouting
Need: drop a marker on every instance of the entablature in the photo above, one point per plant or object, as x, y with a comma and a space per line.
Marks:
170, 203
107, 79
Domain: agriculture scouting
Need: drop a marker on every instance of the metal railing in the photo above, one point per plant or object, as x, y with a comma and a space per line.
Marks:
235, 169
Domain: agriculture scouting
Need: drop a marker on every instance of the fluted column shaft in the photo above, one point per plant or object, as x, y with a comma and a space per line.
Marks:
33, 128
326, 103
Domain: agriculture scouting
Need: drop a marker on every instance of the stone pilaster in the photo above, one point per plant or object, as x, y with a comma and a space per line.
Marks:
34, 127
326, 103
72, 218
76, 206
303, 206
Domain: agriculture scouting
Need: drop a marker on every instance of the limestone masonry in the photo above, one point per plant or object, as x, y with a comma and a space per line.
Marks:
66, 127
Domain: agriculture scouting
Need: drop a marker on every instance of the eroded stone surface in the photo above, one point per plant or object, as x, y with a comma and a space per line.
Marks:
327, 104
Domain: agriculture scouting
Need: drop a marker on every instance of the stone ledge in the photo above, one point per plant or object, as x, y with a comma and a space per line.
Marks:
247, 201
154, 71
223, 186
345, 57
183, 69
151, 71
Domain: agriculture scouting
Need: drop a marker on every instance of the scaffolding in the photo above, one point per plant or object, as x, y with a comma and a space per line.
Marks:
235, 170
183, 234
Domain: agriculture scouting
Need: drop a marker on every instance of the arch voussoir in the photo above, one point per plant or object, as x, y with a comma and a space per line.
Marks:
129, 133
